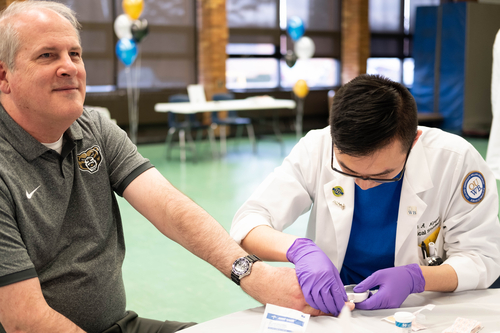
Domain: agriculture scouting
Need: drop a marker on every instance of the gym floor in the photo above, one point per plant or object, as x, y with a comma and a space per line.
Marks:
166, 282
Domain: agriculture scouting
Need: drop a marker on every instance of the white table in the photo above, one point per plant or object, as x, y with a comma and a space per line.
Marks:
482, 305
251, 103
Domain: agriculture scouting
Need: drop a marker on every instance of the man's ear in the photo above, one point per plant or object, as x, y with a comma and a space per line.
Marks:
4, 82
419, 133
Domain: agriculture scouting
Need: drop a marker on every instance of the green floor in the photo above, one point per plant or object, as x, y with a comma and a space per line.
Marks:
163, 280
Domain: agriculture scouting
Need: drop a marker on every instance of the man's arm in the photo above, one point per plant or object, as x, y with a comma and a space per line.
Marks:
267, 243
439, 278
183, 221
24, 309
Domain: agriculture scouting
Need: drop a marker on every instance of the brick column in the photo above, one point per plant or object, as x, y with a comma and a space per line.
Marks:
213, 35
355, 45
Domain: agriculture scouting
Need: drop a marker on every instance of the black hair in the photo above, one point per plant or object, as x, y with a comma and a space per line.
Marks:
369, 112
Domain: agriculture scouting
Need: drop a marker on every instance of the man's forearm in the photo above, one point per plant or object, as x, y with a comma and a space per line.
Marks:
182, 220
268, 243
439, 278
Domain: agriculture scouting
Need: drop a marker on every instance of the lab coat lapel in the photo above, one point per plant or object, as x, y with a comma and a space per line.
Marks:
417, 179
341, 207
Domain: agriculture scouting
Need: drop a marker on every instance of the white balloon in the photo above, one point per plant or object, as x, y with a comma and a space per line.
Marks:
122, 26
304, 47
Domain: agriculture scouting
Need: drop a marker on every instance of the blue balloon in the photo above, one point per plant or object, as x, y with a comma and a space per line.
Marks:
295, 28
126, 51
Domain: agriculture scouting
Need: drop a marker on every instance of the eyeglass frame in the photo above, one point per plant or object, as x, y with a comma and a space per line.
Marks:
378, 180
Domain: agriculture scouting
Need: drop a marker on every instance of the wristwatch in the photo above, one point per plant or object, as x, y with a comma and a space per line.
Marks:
243, 267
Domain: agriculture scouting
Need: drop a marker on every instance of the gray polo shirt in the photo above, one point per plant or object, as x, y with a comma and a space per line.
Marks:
59, 218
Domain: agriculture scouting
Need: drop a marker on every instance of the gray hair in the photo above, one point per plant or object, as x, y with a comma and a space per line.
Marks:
9, 36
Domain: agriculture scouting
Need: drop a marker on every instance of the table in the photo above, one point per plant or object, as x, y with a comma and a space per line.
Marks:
251, 103
482, 305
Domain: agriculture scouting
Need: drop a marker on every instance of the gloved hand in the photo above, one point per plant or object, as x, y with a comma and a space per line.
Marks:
395, 284
318, 278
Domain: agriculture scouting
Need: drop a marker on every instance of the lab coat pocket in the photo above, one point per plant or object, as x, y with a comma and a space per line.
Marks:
429, 232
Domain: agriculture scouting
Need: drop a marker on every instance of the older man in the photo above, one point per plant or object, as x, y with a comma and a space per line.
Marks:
61, 238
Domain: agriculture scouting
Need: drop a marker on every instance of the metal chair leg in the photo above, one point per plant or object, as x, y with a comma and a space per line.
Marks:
191, 143
213, 146
171, 132
223, 144
182, 145
251, 136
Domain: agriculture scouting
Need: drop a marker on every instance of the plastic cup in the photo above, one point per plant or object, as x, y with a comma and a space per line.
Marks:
403, 321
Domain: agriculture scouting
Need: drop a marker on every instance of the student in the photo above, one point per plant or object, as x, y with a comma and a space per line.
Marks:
379, 190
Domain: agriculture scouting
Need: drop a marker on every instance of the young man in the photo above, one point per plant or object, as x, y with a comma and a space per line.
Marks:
61, 237
382, 194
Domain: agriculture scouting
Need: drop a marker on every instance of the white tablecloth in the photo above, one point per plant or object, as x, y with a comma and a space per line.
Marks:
482, 305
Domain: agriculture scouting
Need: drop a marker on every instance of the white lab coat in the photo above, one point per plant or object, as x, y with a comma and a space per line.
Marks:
493, 153
431, 198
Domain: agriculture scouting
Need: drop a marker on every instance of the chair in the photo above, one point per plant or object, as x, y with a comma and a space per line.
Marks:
184, 127
232, 119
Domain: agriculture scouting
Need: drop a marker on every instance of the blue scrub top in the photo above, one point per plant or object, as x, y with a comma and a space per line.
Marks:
372, 241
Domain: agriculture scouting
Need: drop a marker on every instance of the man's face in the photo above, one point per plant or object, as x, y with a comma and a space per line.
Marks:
385, 163
47, 85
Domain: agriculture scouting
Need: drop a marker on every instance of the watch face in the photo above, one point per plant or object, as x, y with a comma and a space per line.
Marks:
241, 266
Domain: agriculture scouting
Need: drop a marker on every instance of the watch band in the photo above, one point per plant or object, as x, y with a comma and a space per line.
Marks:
251, 258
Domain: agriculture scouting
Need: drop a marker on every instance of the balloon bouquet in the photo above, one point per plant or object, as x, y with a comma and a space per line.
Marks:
131, 30
304, 49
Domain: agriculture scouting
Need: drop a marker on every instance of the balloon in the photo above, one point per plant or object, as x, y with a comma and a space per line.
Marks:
301, 89
304, 48
133, 8
126, 51
290, 58
295, 27
139, 29
122, 26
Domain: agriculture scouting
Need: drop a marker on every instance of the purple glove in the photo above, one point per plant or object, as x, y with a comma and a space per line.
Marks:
318, 278
395, 284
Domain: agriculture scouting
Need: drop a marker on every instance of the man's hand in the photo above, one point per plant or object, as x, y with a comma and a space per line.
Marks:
395, 284
318, 277
278, 286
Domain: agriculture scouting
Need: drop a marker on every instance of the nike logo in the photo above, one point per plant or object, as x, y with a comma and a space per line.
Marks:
29, 195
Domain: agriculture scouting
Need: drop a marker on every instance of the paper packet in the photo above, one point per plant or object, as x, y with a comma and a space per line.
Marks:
280, 319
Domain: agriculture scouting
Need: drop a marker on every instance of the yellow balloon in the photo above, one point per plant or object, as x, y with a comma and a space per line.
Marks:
133, 8
301, 89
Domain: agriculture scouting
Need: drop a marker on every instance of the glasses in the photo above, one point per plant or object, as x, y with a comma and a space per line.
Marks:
378, 180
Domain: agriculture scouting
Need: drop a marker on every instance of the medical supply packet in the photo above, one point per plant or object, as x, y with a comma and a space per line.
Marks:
280, 319
463, 325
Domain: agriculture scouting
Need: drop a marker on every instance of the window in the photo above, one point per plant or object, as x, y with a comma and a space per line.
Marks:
258, 42
166, 57
392, 24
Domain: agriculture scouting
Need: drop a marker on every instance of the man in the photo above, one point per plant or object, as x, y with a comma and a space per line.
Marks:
383, 193
61, 238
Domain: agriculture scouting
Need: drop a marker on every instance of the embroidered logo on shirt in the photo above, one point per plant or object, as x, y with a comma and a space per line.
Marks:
473, 187
90, 159
338, 191
29, 195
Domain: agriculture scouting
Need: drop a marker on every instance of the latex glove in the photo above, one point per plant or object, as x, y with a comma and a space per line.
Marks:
395, 284
318, 278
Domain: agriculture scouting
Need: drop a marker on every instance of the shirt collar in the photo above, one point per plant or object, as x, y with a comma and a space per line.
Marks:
26, 145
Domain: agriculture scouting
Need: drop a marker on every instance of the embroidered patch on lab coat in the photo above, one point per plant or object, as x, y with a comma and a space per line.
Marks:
473, 187
338, 191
